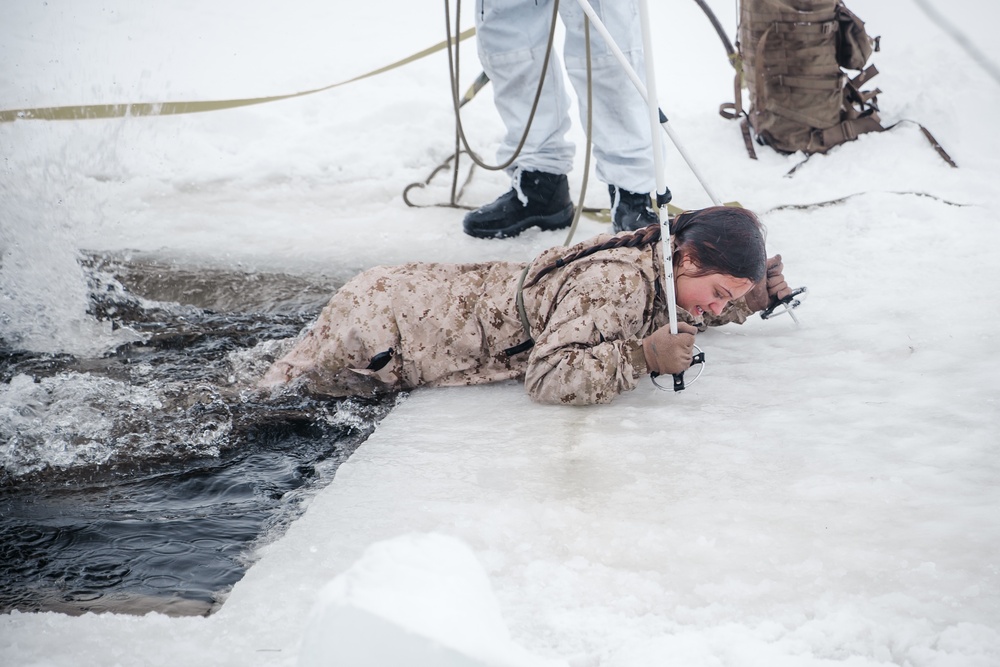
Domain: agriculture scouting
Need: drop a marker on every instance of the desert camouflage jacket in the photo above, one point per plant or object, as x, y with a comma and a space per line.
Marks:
425, 324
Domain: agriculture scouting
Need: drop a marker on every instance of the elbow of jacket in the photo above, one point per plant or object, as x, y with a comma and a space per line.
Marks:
540, 393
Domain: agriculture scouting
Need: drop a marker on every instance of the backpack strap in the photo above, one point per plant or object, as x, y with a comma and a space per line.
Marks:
529, 342
797, 116
863, 77
758, 18
849, 130
733, 110
805, 27
747, 139
930, 138
831, 83
940, 149
863, 99
780, 54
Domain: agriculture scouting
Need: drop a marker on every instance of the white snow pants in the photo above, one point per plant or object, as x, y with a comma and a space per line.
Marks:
511, 37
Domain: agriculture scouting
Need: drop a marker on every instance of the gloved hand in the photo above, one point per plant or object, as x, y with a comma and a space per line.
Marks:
772, 287
667, 353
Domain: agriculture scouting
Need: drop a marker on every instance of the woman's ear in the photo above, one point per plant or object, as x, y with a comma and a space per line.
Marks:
685, 265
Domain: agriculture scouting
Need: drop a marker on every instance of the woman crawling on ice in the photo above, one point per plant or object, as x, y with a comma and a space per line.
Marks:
593, 322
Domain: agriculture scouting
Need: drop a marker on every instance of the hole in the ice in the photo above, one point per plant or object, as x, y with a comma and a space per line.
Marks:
144, 479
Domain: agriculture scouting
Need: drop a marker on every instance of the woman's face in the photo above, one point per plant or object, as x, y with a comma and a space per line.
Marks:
708, 293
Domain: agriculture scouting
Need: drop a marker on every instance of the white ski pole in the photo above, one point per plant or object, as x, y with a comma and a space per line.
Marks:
661, 185
656, 117
659, 118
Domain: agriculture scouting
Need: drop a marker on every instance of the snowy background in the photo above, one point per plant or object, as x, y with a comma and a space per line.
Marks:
824, 494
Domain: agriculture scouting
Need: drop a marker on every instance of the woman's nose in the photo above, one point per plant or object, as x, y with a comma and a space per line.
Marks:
716, 307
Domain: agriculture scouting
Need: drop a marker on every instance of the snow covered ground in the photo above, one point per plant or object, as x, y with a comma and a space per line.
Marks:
824, 494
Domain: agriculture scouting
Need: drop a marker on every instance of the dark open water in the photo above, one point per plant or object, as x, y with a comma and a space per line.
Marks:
144, 479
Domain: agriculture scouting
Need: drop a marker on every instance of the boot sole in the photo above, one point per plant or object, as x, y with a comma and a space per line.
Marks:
552, 222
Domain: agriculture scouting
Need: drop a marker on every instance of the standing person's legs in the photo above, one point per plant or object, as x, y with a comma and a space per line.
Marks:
622, 148
512, 36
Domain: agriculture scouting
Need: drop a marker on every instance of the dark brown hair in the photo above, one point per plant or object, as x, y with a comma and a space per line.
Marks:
719, 239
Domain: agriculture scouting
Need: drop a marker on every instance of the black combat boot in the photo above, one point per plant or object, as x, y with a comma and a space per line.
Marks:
549, 207
631, 210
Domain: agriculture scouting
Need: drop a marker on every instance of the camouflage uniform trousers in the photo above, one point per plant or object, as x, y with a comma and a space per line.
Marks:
431, 318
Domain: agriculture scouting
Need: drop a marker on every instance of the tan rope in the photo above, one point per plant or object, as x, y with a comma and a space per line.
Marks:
172, 108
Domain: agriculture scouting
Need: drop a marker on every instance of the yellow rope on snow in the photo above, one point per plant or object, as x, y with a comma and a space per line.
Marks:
172, 108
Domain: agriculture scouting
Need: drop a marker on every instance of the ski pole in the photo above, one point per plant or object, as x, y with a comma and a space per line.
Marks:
661, 187
647, 91
650, 99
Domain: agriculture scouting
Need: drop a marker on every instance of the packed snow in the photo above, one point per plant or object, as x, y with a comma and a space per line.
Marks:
826, 493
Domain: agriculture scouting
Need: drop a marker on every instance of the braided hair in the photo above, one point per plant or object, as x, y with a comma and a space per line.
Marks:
719, 239
638, 238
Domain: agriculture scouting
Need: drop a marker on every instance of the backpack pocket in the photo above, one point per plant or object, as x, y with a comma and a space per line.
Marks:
854, 46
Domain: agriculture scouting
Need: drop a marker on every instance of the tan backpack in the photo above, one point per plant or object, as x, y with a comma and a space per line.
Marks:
804, 64
793, 55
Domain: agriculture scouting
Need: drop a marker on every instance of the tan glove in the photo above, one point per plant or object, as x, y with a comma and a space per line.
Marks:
773, 286
667, 353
